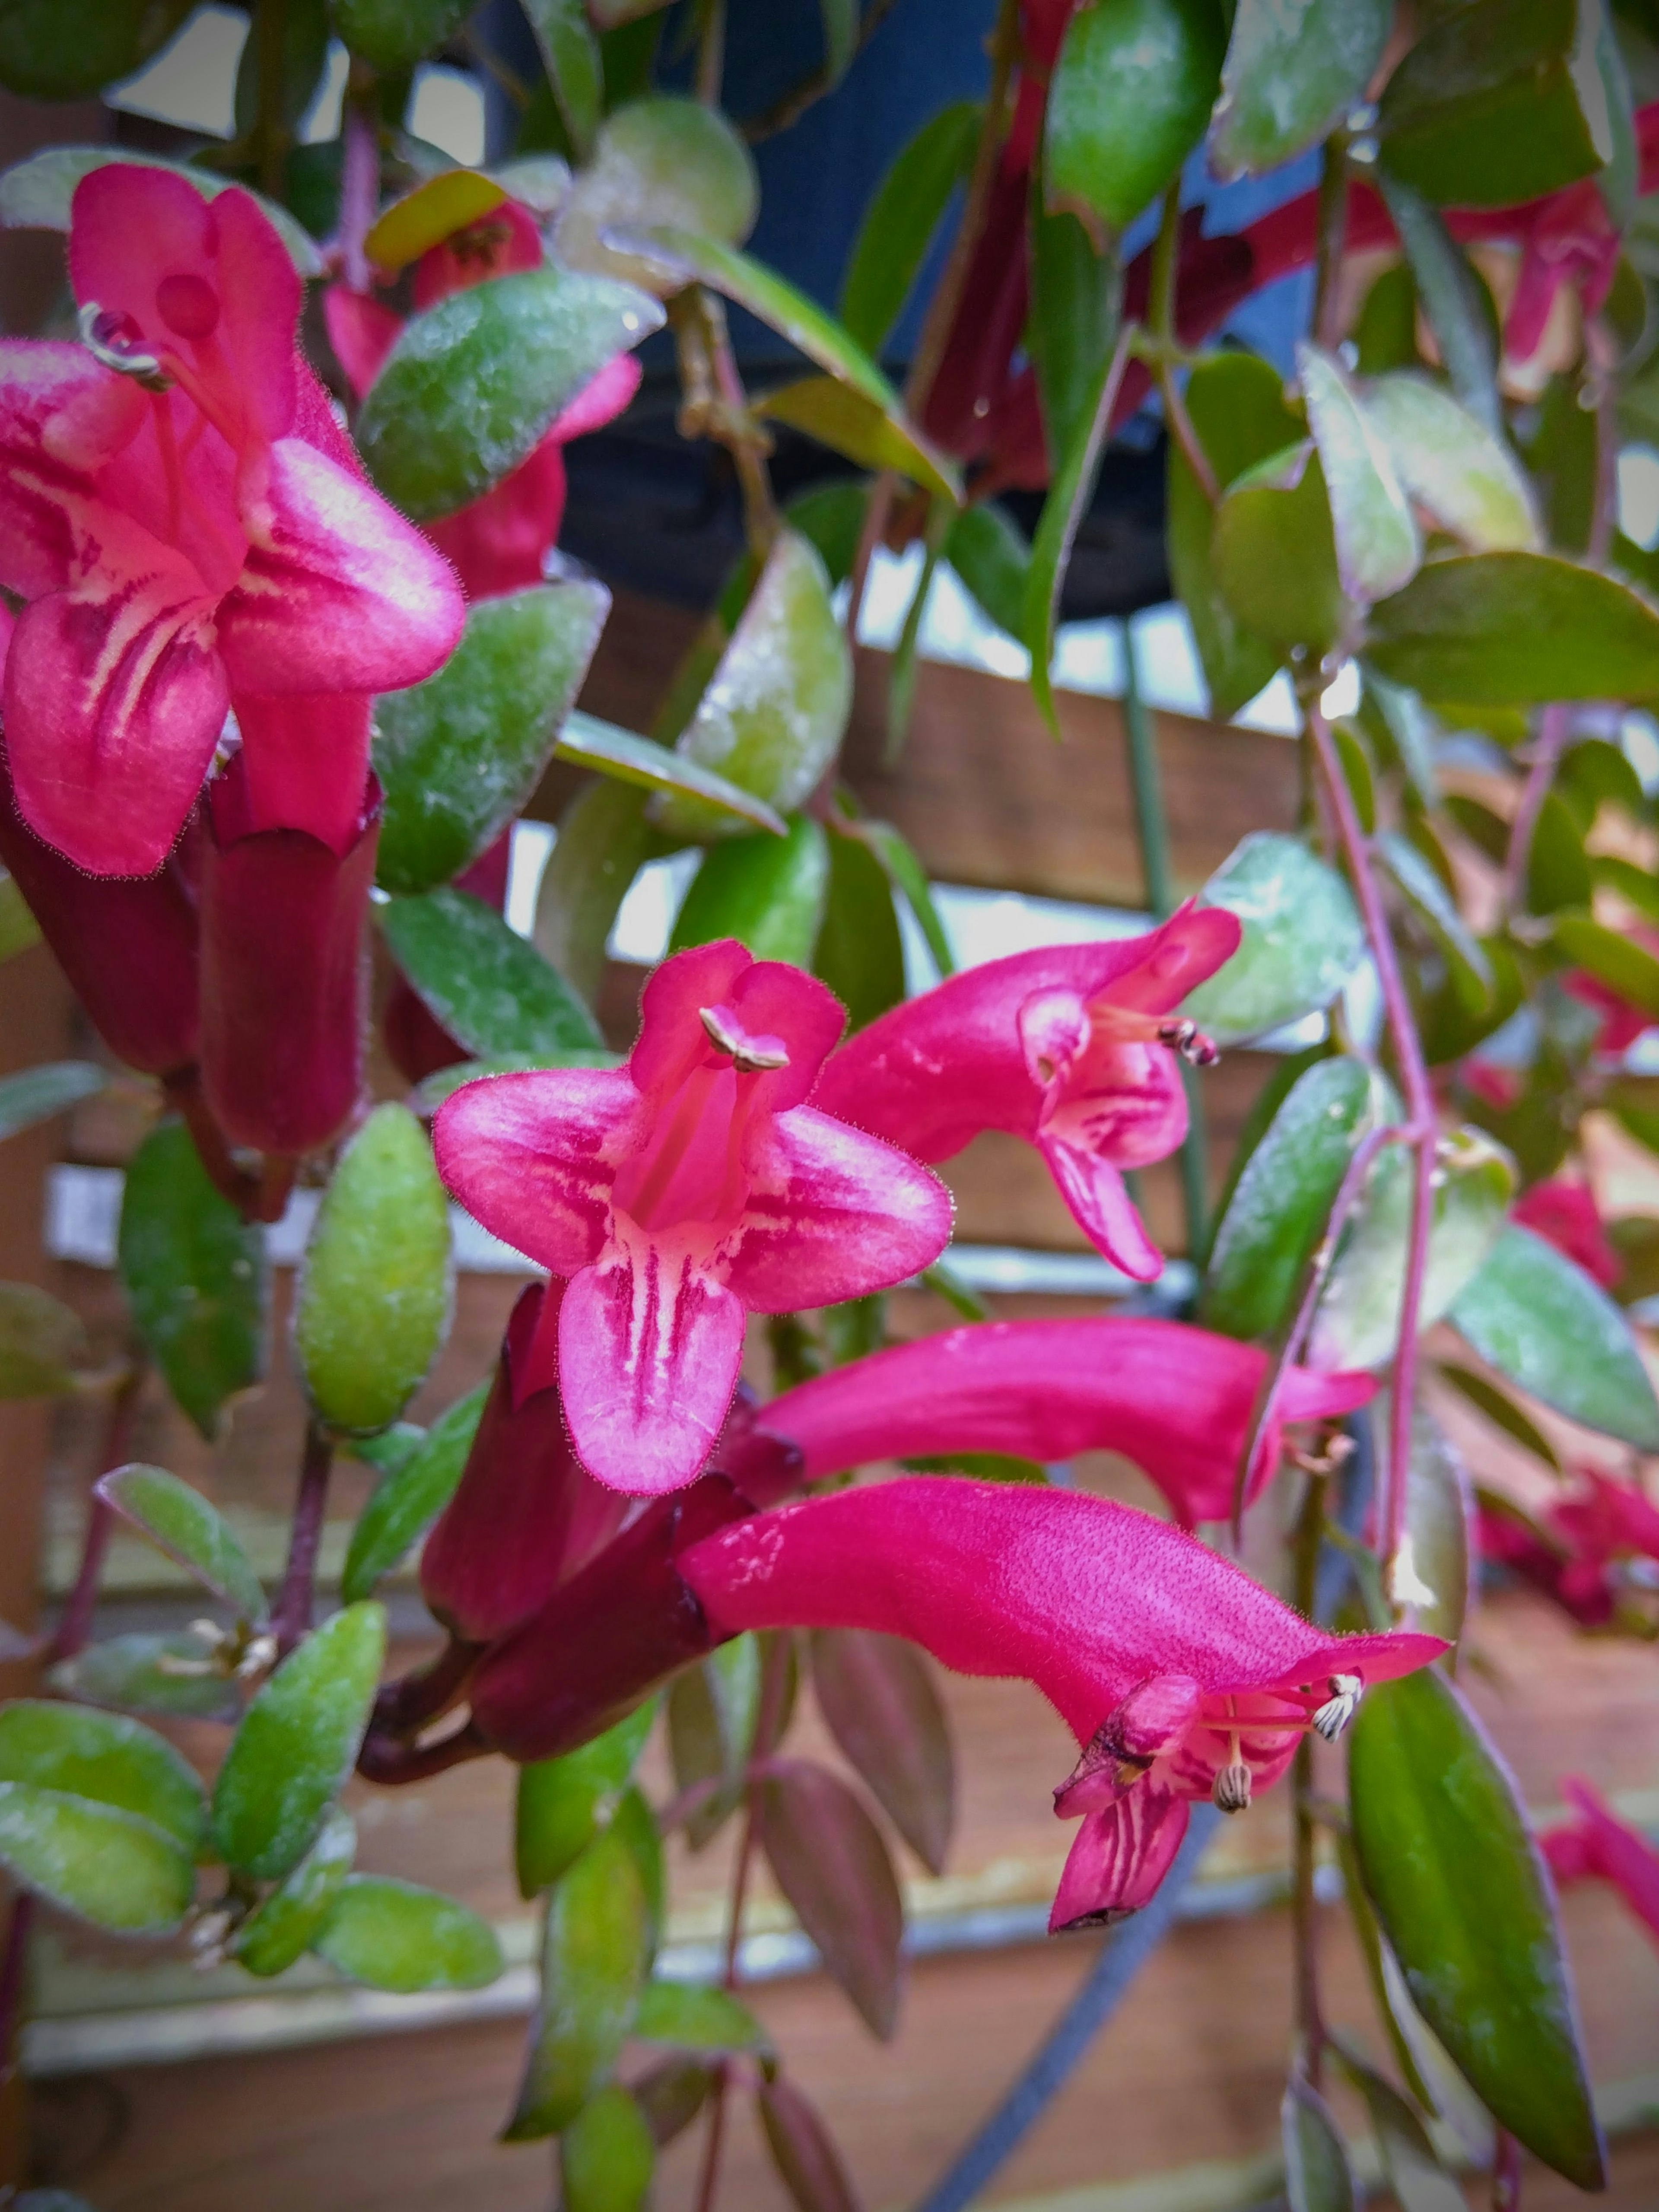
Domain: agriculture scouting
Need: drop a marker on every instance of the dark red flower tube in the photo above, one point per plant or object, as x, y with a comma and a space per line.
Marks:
127, 943
284, 982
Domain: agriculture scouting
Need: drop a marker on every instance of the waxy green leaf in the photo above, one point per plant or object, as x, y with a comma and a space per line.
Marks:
1455, 303
283, 1925
859, 953
712, 1711
458, 756
1543, 1324
490, 989
110, 1867
1516, 629
180, 1521
296, 1744
36, 194
1273, 552
1302, 939
909, 879
395, 35
1279, 1207
1317, 2175
586, 742
563, 1803
43, 1343
909, 203
830, 517
1459, 1887
194, 1273
1290, 76
106, 1758
410, 1497
664, 158
767, 892
607, 2154
850, 422
37, 1093
375, 1292
992, 560
170, 1676
1452, 466
1072, 322
832, 1864
65, 49
395, 1935
1129, 97
697, 2018
472, 384
1377, 547
575, 70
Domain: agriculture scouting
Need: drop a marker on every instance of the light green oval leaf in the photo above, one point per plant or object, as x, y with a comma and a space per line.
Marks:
104, 1757
487, 986
575, 70
394, 34
1516, 629
375, 1292
459, 755
1453, 466
471, 385
180, 1521
410, 1497
296, 1744
1460, 1888
1377, 547
1129, 97
43, 1343
608, 2153
900, 221
586, 742
194, 1273
697, 2017
110, 1867
36, 194
662, 160
1302, 939
849, 422
1619, 962
395, 1935
171, 1675
282, 1927
1273, 552
767, 892
1292, 73
563, 1803
37, 1093
1541, 1320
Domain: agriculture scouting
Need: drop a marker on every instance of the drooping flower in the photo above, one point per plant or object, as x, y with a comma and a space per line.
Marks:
680, 1192
1176, 1400
1597, 1845
1588, 1550
1073, 1048
1564, 1214
1180, 1677
501, 542
192, 533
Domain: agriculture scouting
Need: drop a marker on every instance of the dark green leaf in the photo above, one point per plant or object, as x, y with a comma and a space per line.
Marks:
586, 742
1432, 1571
1516, 629
296, 1744
1291, 76
697, 2018
1466, 957
1541, 1320
902, 217
1302, 939
830, 517
906, 875
563, 1803
1557, 869
1598, 773
833, 1865
1619, 961
104, 1757
43, 1343
373, 1306
486, 985
1483, 828
395, 1935
635, 1824
1317, 2175
858, 952
410, 1497
607, 2154
194, 1273
1502, 1412
1073, 319
180, 1521
1385, 334
1455, 303
1372, 525
1562, 453
305, 31
1635, 1239
993, 560
171, 1675
1129, 97
980, 1466
37, 1093
1460, 1888
849, 422
570, 55
65, 49
767, 892
840, 36
808, 2163
1410, 2163
472, 384
903, 670
1354, 758
1273, 553
662, 159
284, 1926
36, 194
879, 1698
395, 35
110, 1867
603, 840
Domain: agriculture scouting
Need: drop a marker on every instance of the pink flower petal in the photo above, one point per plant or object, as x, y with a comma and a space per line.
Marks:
339, 593
62, 418
532, 1157
1101, 1207
600, 400
362, 331
502, 243
1603, 1844
500, 543
1118, 1858
650, 1343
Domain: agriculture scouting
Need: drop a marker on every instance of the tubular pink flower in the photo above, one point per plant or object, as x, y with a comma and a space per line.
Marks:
1176, 1400
1578, 1549
1069, 1047
193, 533
678, 1192
1597, 1845
1181, 1678
1564, 1214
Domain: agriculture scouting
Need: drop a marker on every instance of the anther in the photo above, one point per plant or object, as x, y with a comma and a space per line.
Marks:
1189, 1041
1230, 1790
1333, 1715
750, 1055
101, 334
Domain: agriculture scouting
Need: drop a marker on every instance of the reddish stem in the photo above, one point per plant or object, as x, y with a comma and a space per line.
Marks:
359, 185
1552, 730
392, 1760
292, 1618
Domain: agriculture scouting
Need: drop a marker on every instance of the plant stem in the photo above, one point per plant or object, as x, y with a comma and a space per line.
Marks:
715, 405
360, 181
292, 1618
1546, 750
1310, 2022
271, 26
787, 110
711, 51
1332, 217
1420, 1117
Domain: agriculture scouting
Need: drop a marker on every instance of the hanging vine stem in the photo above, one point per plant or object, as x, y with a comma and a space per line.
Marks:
359, 175
1421, 1126
711, 51
1332, 217
715, 405
271, 31
1161, 315
292, 1618
1552, 731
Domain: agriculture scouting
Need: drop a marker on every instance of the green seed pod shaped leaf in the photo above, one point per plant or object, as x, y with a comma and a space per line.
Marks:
113, 1867
283, 1925
395, 1935
104, 1757
1129, 98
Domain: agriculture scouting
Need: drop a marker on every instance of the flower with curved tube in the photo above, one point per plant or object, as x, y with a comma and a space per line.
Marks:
1073, 1048
1595, 1846
680, 1192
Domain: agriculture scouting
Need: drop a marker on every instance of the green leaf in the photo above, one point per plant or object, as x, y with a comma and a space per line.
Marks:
284, 1926
297, 1743
194, 1273
1432, 1571
1273, 551
775, 708
901, 219
635, 1826
595, 1951
1623, 965
848, 421
664, 158
908, 877
603, 840
1466, 957
375, 1293
1071, 321
993, 560
110, 1867
410, 1497
18, 928
1302, 939
66, 49
607, 2154
1516, 629
1290, 76
394, 34
36, 194
1401, 728
1354, 758
1460, 1888
830, 517
37, 1093
1558, 867
1502, 1412
1317, 2175
471, 386
1498, 103
1279, 1206
1455, 303
303, 57
182, 1523
1358, 1318
106, 1758
460, 755
43, 1343
1236, 404
858, 952
1541, 1322
1599, 774
570, 56
767, 892
563, 1803
1377, 547
484, 984
1453, 466
840, 36
1129, 97
697, 2017
393, 1935
586, 742
712, 1711
1410, 2164
165, 1674
1385, 333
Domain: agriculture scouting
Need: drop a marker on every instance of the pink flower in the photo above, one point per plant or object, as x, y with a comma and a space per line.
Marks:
1564, 1214
193, 533
1623, 1020
500, 543
678, 1192
1180, 1677
1176, 1400
1579, 1550
1595, 1846
1070, 1048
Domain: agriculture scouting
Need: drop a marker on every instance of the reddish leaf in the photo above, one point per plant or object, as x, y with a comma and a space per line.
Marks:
833, 1865
877, 1695
806, 2159
672, 2094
